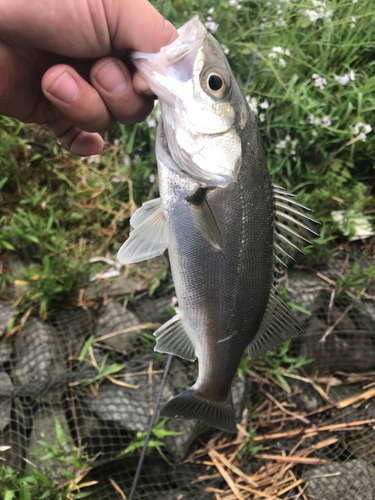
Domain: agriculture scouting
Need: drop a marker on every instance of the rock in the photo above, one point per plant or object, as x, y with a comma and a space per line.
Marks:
352, 480
6, 313
114, 319
127, 408
5, 405
74, 325
306, 290
6, 349
39, 356
14, 436
152, 310
342, 350
44, 429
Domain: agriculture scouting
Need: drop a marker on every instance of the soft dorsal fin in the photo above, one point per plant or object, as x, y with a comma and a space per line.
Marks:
149, 237
171, 338
292, 228
278, 324
205, 218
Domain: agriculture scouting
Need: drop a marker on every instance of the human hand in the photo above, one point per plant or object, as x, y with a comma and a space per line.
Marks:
61, 65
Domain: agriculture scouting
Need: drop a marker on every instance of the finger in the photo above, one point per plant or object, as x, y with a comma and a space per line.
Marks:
76, 99
141, 86
138, 26
76, 140
112, 79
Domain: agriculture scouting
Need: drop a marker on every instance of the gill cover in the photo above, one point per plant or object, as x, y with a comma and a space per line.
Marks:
198, 96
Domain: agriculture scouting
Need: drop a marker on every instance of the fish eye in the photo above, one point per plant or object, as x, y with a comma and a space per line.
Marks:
215, 82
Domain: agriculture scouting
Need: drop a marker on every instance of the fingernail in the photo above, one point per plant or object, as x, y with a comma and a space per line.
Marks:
112, 79
65, 88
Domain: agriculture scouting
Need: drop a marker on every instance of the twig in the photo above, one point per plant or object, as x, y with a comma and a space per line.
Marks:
226, 476
144, 326
117, 488
279, 405
329, 330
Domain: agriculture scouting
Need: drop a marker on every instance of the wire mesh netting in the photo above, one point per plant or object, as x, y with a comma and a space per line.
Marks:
306, 415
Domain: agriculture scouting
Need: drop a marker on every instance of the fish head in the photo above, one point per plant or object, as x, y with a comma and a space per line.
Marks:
203, 110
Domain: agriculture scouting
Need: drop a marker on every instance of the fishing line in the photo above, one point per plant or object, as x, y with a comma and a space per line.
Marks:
255, 57
150, 427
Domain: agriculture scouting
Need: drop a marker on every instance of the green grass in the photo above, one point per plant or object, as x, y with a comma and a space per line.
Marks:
58, 210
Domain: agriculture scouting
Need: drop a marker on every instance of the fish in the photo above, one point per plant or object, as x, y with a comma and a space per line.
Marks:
228, 229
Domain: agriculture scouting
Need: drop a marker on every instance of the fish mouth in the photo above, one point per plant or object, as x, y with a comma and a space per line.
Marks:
174, 62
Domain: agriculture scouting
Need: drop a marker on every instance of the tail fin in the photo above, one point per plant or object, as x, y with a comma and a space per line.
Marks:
219, 414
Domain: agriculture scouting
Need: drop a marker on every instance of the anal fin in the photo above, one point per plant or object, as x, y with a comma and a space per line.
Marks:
171, 338
278, 324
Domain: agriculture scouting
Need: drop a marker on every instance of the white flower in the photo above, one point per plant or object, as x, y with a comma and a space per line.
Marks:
288, 138
151, 178
151, 122
282, 62
315, 75
281, 145
280, 22
279, 11
343, 80
264, 104
320, 81
212, 26
278, 49
209, 18
268, 4
313, 120
211, 10
353, 19
326, 122
355, 1
314, 133
126, 160
92, 158
262, 117
252, 102
314, 16
362, 129
118, 179
174, 300
239, 7
116, 142
268, 25
352, 75
293, 152
272, 55
287, 52
329, 13
317, 3
236, 3
225, 49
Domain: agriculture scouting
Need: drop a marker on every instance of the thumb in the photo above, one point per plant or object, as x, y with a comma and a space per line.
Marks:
138, 26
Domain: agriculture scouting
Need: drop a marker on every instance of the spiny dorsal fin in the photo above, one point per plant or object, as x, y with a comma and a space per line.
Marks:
171, 338
205, 218
278, 325
292, 228
149, 237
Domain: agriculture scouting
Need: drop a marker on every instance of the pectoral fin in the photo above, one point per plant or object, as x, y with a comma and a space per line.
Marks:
149, 237
205, 218
171, 338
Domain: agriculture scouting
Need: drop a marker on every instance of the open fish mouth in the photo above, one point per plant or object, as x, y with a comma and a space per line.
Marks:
175, 62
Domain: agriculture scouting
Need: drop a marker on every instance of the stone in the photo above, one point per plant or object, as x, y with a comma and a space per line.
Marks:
5, 404
352, 480
6, 349
6, 313
114, 319
44, 429
348, 351
38, 356
305, 290
127, 408
153, 310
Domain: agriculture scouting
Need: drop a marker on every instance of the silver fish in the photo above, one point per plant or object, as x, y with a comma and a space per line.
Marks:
228, 229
